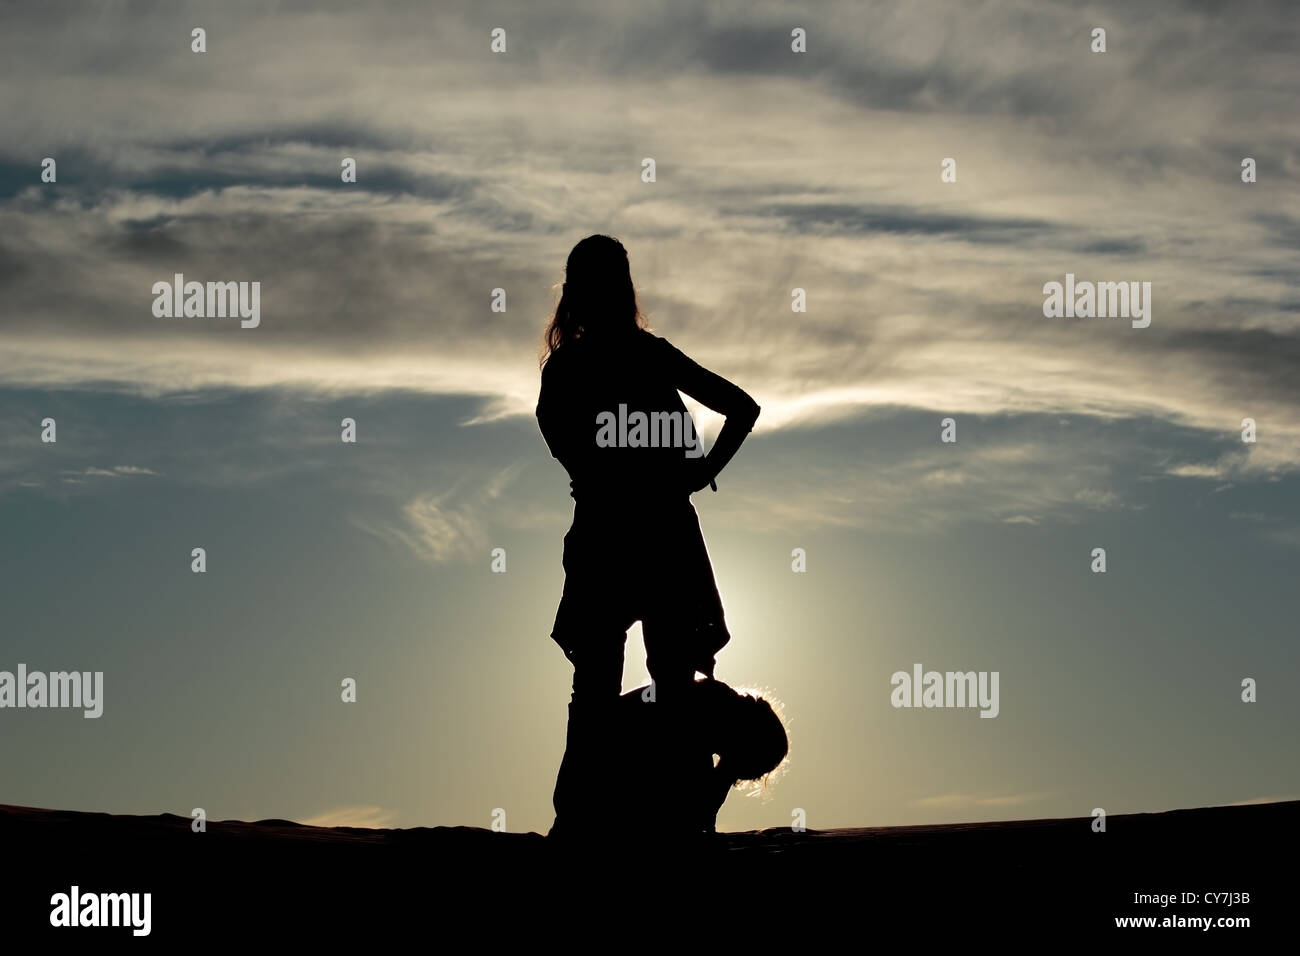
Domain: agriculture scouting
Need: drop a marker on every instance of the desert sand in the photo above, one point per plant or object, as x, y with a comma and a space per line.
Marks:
274, 879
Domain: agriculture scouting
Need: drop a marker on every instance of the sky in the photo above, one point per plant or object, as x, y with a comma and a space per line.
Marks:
774, 171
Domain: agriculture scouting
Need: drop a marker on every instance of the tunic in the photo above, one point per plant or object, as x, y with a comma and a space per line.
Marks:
635, 550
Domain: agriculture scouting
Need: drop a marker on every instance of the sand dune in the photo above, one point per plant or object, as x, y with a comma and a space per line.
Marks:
1006, 880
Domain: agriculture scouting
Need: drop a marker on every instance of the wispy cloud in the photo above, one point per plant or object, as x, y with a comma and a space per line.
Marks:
1217, 469
921, 295
370, 817
1258, 800
117, 471
450, 525
950, 801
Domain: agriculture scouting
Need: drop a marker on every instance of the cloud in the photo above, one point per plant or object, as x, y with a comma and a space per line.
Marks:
451, 525
118, 471
1253, 516
1258, 800
1215, 470
922, 295
370, 817
965, 800
1098, 500
1020, 519
892, 474
896, 220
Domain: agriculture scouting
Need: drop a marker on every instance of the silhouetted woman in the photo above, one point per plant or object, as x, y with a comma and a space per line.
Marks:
609, 410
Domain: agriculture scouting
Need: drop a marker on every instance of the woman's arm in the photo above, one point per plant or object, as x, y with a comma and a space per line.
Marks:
552, 416
728, 400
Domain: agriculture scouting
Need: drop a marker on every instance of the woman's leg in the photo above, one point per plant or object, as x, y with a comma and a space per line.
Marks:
597, 682
682, 758
671, 658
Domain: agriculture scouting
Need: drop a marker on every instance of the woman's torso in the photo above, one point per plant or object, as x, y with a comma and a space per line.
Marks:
611, 414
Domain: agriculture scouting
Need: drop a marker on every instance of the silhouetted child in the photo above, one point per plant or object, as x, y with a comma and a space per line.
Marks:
674, 786
610, 412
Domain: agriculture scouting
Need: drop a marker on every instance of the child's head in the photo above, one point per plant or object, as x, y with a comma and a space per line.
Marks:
749, 736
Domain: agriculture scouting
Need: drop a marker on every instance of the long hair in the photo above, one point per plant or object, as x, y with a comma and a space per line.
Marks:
597, 295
